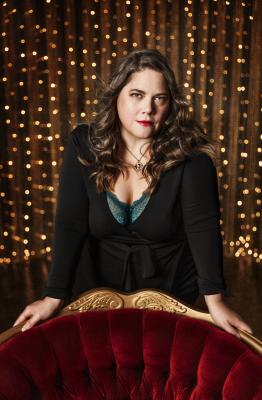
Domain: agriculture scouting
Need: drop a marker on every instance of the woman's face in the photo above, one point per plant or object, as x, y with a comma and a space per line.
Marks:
144, 98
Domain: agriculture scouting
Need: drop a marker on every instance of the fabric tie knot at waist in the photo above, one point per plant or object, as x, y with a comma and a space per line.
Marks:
146, 250
148, 266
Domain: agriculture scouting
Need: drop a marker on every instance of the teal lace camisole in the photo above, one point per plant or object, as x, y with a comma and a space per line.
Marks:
123, 212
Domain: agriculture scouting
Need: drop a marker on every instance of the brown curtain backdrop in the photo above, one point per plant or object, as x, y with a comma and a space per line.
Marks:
53, 53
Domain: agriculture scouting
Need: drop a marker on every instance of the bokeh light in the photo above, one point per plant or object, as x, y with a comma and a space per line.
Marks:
53, 52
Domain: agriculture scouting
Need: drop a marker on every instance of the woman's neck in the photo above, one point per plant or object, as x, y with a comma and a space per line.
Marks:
139, 149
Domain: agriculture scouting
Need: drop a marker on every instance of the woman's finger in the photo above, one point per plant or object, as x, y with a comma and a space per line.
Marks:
229, 328
31, 322
22, 317
245, 327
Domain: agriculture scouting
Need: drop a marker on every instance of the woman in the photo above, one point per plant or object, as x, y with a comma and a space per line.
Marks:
138, 191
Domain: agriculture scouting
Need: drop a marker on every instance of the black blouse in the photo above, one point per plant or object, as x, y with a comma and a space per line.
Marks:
174, 245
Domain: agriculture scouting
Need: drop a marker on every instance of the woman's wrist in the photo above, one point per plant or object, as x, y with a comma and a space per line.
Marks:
53, 300
213, 299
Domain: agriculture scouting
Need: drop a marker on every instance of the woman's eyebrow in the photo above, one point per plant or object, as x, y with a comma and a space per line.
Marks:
142, 91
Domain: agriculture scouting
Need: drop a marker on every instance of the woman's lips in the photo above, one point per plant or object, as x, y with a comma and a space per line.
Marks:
145, 123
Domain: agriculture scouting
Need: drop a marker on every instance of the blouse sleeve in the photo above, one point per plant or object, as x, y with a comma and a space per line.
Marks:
71, 222
201, 215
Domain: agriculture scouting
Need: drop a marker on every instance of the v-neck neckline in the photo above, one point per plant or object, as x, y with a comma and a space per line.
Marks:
147, 208
137, 220
126, 204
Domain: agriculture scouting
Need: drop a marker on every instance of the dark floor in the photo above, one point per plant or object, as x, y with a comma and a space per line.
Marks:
23, 283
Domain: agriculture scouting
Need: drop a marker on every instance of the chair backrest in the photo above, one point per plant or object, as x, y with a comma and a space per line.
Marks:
130, 349
107, 298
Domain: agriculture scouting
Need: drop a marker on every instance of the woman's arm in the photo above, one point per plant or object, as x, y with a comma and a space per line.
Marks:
71, 221
201, 214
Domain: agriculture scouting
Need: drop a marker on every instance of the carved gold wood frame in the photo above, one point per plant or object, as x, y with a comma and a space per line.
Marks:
107, 298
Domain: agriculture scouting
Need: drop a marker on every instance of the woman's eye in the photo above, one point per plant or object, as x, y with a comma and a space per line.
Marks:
161, 98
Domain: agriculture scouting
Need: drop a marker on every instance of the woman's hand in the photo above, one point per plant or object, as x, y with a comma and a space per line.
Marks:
224, 316
39, 310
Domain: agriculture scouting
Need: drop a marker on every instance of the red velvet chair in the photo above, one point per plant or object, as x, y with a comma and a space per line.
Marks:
144, 345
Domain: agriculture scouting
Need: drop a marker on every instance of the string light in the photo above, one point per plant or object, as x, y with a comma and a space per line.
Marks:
53, 57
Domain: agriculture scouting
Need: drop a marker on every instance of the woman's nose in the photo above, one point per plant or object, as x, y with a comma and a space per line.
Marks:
148, 106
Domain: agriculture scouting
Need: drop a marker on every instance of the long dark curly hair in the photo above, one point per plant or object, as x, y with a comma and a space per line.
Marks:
176, 138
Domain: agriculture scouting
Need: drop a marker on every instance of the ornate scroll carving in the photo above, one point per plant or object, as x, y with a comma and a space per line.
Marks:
94, 301
157, 301
104, 298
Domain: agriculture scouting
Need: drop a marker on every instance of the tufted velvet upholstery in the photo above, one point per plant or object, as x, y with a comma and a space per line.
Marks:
128, 354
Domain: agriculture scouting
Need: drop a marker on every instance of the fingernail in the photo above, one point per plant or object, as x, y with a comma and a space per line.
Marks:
24, 328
